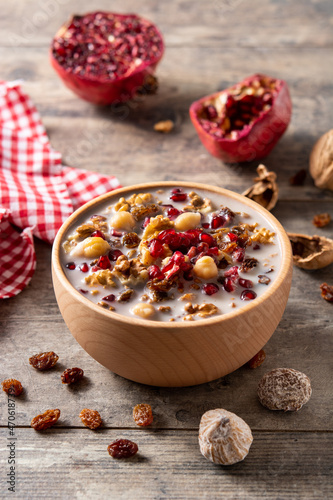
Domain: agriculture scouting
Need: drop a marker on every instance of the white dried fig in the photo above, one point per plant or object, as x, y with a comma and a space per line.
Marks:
224, 438
321, 161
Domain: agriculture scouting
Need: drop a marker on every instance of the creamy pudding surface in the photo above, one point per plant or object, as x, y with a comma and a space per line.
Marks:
171, 254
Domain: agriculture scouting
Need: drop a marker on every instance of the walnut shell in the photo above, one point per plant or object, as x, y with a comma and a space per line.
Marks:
311, 252
224, 438
284, 389
321, 161
265, 191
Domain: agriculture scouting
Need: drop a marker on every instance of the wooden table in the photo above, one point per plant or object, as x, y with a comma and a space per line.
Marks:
209, 46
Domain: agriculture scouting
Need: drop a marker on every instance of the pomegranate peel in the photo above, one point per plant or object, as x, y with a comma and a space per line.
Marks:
244, 122
107, 58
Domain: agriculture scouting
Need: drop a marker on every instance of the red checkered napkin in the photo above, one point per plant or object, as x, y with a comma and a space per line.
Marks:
37, 193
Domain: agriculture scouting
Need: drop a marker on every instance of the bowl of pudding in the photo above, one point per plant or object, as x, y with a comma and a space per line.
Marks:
172, 284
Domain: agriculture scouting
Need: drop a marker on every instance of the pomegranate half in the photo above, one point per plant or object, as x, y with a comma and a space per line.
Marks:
107, 58
244, 122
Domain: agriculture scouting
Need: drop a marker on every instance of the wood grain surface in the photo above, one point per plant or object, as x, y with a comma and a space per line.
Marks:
209, 46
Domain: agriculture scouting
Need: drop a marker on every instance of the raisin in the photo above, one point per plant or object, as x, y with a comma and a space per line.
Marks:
44, 360
327, 292
12, 387
248, 264
131, 240
257, 360
71, 375
122, 448
264, 280
143, 415
91, 418
45, 420
298, 179
321, 220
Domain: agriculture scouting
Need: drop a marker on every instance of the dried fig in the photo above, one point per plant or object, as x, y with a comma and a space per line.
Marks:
265, 191
311, 252
321, 161
224, 438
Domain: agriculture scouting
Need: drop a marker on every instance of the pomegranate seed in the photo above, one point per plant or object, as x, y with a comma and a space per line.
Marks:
238, 254
256, 247
109, 298
114, 254
245, 283
217, 221
83, 291
98, 234
248, 295
84, 267
211, 112
71, 266
207, 238
172, 212
210, 288
145, 222
229, 285
205, 225
95, 269
115, 233
192, 252
232, 272
156, 248
155, 272
178, 194
232, 237
104, 262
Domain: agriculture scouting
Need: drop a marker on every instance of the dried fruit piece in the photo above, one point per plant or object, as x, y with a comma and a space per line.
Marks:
321, 161
164, 126
143, 415
311, 252
131, 240
45, 420
265, 191
105, 57
257, 360
12, 387
243, 122
224, 438
248, 264
321, 220
327, 292
44, 360
90, 418
71, 375
122, 448
264, 280
284, 389
298, 179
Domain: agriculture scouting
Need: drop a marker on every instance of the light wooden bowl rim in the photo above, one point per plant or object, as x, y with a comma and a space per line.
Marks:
286, 258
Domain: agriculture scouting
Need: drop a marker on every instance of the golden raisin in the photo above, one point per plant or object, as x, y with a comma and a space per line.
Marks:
131, 240
257, 360
44, 360
71, 375
143, 415
90, 418
45, 420
12, 386
321, 220
122, 448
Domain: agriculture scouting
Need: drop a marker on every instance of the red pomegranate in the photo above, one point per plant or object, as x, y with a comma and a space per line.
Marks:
107, 58
244, 122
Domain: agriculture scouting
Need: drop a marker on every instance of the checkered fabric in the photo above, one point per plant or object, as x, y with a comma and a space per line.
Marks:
37, 193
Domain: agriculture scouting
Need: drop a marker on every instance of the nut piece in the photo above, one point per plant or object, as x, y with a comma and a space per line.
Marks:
187, 220
164, 126
143, 310
224, 438
321, 161
122, 220
91, 247
12, 387
205, 268
91, 418
284, 389
45, 420
265, 191
311, 252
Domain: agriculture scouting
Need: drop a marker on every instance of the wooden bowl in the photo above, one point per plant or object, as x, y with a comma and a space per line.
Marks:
173, 354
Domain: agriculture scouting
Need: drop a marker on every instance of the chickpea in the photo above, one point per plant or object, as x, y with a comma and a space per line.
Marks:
143, 310
91, 247
187, 220
205, 268
122, 220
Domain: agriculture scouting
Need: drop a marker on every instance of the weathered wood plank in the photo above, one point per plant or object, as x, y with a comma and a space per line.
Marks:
75, 464
229, 23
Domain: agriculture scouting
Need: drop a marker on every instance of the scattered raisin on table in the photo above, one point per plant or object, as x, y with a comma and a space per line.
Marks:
44, 360
122, 448
12, 387
321, 220
71, 375
257, 360
284, 389
298, 179
143, 415
90, 418
327, 292
45, 420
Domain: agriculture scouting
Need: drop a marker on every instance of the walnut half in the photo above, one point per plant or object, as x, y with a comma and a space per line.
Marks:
311, 252
321, 161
